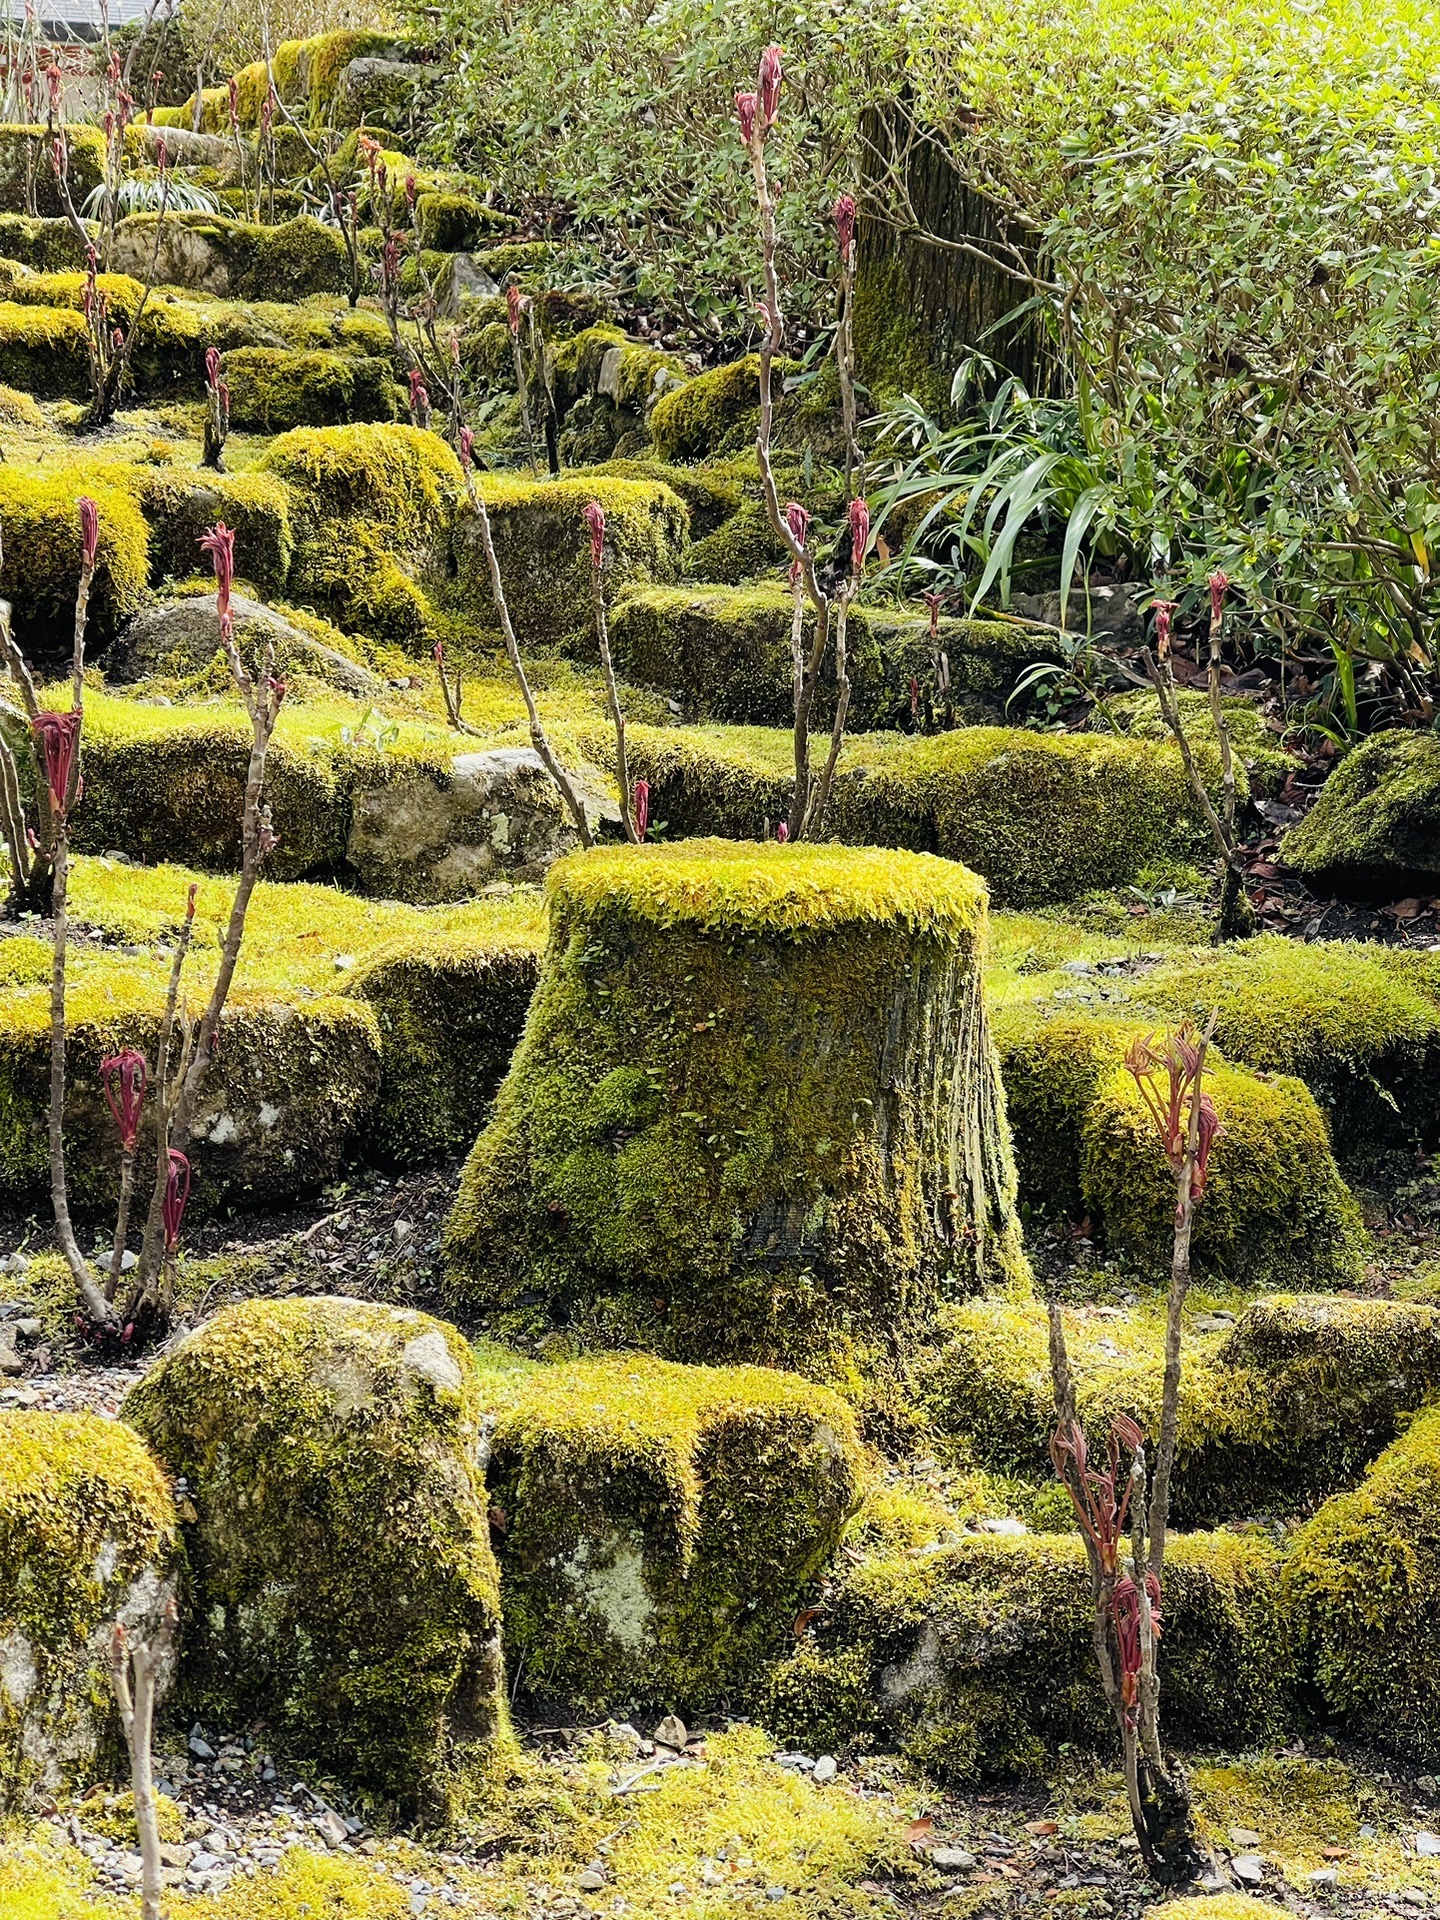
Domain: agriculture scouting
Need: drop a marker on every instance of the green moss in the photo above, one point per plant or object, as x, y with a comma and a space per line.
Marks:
660, 1522
373, 513
725, 652
87, 1535
712, 495
180, 506
450, 1011
1219, 1906
1361, 1576
1292, 1404
47, 245
1265, 760
344, 1586
451, 222
543, 546
977, 1658
699, 1146
1275, 1212
1377, 820
239, 259
41, 518
274, 389
43, 351
25, 153
739, 551
1042, 817
895, 351
281, 1105
710, 414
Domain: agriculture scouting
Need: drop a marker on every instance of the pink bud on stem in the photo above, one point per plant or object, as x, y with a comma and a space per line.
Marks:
859, 534
747, 106
595, 521
1164, 615
89, 532
769, 85
845, 227
124, 1079
177, 1192
640, 793
512, 307
57, 735
219, 543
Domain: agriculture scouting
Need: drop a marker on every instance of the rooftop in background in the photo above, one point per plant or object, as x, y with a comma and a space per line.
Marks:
75, 19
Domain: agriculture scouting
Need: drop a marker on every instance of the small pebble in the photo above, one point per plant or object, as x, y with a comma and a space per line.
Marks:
825, 1769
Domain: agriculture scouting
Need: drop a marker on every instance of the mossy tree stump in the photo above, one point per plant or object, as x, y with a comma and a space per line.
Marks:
755, 1112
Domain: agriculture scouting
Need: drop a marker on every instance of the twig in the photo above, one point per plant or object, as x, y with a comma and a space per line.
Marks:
146, 1658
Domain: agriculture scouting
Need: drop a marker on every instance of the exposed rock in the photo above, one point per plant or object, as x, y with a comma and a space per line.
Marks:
376, 92
1109, 613
417, 836
466, 280
345, 1591
181, 637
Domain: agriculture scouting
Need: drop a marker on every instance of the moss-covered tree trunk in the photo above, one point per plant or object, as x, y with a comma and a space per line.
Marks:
756, 1111
921, 300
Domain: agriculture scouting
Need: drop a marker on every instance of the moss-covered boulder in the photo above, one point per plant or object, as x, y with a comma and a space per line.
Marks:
274, 388
373, 509
1376, 823
233, 258
25, 158
43, 351
168, 783
1362, 1576
41, 518
1041, 817
87, 1538
657, 1524
724, 653
450, 1010
755, 1112
344, 1588
180, 506
1289, 1405
543, 547
180, 639
49, 245
977, 1658
713, 413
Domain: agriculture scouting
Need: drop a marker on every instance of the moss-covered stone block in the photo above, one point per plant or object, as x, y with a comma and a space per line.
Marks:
274, 389
373, 510
179, 507
450, 1010
1276, 1211
49, 245
43, 351
1042, 817
977, 1658
755, 1112
168, 783
87, 1537
344, 1587
452, 222
744, 548
294, 1079
713, 413
236, 259
725, 654
1376, 823
543, 547
41, 518
25, 157
1362, 1577
657, 1524
1290, 1405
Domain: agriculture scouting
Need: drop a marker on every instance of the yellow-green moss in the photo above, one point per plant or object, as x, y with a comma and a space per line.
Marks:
25, 150
660, 1522
709, 414
1214, 1906
543, 546
373, 512
977, 1659
1265, 759
725, 653
43, 351
87, 1534
180, 506
1042, 817
344, 1585
1362, 1576
754, 1111
41, 570
47, 245
1377, 820
1275, 1212
273, 389
1292, 1404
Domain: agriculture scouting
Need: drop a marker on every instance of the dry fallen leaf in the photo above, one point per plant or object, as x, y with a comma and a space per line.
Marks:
917, 1829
